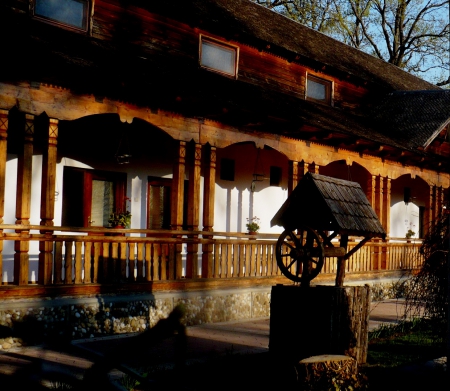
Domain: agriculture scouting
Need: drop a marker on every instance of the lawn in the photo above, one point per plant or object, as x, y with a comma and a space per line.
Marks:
396, 361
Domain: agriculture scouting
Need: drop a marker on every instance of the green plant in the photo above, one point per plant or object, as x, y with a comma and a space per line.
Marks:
410, 234
120, 217
253, 224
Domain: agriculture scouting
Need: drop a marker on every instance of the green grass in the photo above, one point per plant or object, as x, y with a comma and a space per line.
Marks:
395, 363
397, 354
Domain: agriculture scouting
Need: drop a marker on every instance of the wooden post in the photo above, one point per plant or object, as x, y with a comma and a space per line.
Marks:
303, 168
293, 176
431, 213
371, 191
325, 319
386, 222
48, 186
3, 145
314, 168
193, 211
23, 198
177, 203
379, 197
340, 272
375, 196
209, 187
436, 202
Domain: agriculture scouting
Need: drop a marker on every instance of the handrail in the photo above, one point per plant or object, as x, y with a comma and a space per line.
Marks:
73, 255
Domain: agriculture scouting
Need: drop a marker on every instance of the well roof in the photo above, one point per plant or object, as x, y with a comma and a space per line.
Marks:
329, 204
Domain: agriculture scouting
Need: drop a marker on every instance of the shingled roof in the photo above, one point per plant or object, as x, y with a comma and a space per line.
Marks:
413, 117
329, 204
249, 22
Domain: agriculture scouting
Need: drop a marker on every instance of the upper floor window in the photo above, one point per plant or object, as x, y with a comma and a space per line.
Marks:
68, 13
219, 57
318, 89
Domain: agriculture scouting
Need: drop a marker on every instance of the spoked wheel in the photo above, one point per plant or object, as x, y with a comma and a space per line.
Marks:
300, 254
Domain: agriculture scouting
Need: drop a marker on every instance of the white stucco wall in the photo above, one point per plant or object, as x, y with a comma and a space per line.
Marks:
404, 217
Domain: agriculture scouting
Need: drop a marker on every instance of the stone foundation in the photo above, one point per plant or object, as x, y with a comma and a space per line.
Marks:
30, 321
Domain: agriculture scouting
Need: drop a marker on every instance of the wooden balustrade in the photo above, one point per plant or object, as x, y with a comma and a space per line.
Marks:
115, 256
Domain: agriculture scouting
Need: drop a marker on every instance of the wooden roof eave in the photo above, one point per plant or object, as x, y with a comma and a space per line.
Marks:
436, 134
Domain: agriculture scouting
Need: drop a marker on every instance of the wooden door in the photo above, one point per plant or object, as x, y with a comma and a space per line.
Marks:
90, 196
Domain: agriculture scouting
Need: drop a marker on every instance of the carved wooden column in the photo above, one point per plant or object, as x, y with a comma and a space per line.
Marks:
193, 210
371, 191
3, 145
379, 190
303, 168
440, 199
23, 198
48, 199
313, 168
209, 188
177, 202
437, 202
386, 222
432, 204
293, 176
428, 212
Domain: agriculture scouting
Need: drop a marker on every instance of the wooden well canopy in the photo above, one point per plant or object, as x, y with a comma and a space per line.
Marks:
329, 204
319, 209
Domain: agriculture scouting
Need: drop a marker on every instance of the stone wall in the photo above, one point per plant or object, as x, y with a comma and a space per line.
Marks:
30, 321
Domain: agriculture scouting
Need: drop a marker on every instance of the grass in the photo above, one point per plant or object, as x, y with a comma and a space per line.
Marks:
396, 358
399, 353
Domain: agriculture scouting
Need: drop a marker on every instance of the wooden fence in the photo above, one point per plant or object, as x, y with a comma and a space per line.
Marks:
74, 256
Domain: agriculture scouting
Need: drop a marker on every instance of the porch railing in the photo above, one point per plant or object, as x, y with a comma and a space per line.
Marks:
66, 255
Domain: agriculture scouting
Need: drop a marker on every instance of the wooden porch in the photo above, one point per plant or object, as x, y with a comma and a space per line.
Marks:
74, 261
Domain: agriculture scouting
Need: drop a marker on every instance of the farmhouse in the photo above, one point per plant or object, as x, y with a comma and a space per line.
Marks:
195, 117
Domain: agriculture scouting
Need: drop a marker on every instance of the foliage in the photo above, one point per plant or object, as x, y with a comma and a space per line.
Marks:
412, 34
120, 217
398, 352
410, 234
428, 291
253, 224
314, 14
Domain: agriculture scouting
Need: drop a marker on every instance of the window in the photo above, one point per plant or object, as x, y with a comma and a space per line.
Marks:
318, 89
69, 13
275, 176
227, 169
218, 57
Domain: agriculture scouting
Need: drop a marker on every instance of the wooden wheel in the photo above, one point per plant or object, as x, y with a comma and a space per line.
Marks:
300, 255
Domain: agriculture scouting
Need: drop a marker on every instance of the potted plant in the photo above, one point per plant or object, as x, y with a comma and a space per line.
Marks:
409, 235
252, 225
120, 218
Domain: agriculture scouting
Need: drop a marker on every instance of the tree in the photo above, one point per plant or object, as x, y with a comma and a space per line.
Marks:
428, 293
312, 13
411, 34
